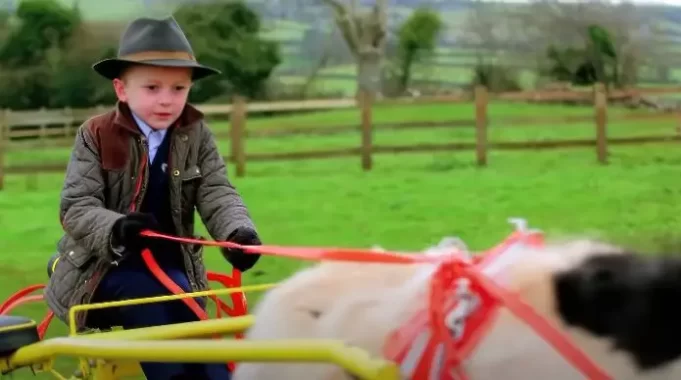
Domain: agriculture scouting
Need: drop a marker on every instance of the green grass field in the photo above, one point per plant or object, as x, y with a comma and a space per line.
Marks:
408, 201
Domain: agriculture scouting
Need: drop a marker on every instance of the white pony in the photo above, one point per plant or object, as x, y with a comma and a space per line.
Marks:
618, 307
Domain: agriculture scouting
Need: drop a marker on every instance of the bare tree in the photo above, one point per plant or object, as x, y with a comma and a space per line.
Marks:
633, 30
531, 29
321, 63
365, 32
485, 28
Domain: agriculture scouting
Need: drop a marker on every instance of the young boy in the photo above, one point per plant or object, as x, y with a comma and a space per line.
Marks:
146, 164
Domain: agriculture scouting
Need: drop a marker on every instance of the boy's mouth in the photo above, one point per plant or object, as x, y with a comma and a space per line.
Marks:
163, 115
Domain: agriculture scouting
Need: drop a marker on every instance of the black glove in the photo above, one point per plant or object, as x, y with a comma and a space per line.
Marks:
125, 233
238, 258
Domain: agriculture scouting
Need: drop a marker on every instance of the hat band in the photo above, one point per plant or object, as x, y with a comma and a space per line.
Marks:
152, 55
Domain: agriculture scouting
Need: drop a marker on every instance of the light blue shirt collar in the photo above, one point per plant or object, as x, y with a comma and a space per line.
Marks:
154, 136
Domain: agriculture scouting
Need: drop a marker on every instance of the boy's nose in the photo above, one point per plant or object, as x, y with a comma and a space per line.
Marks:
165, 99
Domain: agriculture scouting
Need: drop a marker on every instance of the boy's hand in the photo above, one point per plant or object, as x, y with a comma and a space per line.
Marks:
238, 258
125, 234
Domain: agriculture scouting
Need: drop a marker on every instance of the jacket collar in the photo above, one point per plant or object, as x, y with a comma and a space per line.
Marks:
124, 119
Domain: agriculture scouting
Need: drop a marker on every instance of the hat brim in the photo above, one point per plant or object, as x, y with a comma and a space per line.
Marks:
111, 68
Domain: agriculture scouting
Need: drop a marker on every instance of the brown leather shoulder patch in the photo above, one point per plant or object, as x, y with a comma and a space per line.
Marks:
112, 141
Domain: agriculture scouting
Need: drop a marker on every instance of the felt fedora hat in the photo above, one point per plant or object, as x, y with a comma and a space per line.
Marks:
158, 42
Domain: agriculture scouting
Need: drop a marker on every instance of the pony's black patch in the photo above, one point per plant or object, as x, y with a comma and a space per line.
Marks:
631, 299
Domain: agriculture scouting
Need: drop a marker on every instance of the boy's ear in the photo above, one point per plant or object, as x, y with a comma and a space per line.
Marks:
119, 88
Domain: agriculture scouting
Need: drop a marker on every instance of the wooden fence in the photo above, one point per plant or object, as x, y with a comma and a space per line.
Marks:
20, 130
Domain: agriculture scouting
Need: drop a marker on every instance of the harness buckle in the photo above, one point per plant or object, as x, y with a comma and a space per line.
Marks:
467, 303
521, 225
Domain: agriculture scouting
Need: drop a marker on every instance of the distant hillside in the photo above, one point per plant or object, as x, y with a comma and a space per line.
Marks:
306, 31
316, 15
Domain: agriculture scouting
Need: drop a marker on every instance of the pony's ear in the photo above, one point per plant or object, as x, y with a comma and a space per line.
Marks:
630, 299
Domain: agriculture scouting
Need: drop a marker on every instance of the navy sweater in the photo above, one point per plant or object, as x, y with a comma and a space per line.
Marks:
157, 202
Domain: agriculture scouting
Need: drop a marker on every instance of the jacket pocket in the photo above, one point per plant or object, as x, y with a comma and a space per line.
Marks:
192, 173
189, 186
75, 254
68, 275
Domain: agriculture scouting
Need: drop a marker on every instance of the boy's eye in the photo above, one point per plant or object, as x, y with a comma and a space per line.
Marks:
153, 87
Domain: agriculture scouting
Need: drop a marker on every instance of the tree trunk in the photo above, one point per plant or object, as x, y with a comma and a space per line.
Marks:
369, 72
405, 75
365, 33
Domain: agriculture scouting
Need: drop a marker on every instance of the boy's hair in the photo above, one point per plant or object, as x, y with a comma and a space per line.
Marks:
126, 66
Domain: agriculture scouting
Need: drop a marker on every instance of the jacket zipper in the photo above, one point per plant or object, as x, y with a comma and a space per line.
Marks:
192, 283
141, 186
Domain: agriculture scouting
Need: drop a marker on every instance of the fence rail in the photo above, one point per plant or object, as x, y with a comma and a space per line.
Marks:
20, 130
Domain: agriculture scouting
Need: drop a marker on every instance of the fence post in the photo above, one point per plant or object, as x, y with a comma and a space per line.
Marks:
43, 128
365, 103
481, 124
3, 147
237, 124
67, 126
600, 110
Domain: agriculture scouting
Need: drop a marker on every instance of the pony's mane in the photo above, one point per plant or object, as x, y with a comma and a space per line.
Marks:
562, 252
446, 246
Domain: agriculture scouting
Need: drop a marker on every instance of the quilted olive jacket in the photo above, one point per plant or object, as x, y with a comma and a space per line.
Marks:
106, 178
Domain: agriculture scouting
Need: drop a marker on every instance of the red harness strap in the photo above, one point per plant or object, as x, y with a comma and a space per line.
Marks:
554, 337
436, 341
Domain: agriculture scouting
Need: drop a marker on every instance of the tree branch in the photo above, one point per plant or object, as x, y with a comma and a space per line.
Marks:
345, 21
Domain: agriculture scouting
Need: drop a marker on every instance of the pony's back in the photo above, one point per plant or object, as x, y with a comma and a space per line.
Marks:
362, 304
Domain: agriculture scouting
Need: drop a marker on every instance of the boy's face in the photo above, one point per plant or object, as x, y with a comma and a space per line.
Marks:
155, 94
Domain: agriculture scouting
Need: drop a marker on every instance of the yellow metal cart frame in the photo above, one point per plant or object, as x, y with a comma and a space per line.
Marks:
116, 354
